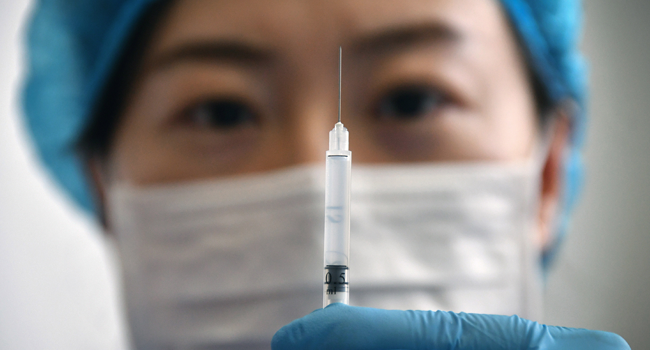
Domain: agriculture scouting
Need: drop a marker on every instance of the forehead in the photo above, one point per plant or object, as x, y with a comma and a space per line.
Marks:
309, 25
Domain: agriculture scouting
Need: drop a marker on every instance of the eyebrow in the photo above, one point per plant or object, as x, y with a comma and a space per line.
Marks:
405, 36
236, 51
226, 50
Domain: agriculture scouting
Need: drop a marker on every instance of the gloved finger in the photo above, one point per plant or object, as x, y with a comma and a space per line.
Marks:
345, 327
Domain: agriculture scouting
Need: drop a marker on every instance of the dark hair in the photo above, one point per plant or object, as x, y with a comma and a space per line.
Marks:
97, 138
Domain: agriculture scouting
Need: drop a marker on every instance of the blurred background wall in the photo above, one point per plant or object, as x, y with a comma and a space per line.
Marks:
57, 282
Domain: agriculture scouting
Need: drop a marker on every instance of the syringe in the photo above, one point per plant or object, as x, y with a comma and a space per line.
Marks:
337, 211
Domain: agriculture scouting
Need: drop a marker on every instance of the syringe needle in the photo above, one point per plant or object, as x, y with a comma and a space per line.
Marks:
340, 61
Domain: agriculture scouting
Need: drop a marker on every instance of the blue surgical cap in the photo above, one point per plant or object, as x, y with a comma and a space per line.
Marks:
73, 45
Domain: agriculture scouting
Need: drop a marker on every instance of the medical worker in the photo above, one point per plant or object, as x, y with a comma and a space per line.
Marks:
195, 131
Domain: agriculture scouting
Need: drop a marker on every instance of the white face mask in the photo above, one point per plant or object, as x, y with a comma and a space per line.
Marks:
225, 264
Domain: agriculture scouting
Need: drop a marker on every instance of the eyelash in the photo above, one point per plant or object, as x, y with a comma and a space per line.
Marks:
231, 113
408, 102
398, 103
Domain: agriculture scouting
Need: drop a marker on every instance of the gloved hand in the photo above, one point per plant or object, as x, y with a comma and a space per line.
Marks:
341, 327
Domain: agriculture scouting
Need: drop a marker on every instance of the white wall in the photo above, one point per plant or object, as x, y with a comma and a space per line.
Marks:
57, 285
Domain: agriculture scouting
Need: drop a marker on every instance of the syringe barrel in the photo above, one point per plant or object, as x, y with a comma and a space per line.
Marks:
337, 207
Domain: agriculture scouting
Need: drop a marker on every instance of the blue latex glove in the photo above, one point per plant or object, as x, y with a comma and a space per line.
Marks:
340, 326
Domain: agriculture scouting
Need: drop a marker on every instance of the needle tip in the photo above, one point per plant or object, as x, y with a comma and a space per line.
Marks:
340, 62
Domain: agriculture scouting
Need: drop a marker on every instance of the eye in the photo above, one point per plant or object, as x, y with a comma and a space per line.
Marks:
221, 114
409, 103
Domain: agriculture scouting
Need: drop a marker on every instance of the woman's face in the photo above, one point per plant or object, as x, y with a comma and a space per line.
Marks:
234, 87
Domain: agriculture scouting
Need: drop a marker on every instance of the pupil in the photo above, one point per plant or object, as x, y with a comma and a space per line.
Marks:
224, 114
408, 103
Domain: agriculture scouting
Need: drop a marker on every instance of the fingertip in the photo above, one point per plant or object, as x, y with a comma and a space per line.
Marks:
575, 338
612, 340
278, 340
300, 332
289, 336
